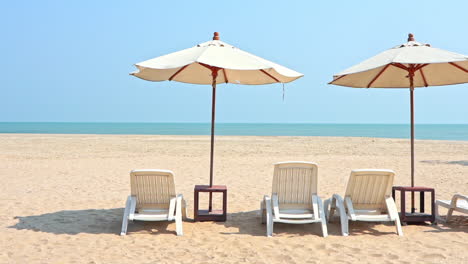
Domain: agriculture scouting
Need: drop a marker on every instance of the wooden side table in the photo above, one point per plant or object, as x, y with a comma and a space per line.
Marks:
210, 215
415, 217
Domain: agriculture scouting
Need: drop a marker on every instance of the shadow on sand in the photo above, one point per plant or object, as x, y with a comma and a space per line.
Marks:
92, 221
458, 223
109, 221
453, 162
249, 223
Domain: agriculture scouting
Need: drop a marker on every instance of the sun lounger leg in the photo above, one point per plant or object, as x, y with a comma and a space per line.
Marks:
123, 232
178, 216
398, 226
453, 204
343, 216
449, 214
269, 216
393, 212
344, 225
321, 215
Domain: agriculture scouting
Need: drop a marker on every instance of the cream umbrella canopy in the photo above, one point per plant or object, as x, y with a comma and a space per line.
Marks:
409, 65
196, 65
214, 62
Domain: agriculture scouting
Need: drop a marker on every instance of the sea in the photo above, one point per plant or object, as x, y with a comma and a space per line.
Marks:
422, 131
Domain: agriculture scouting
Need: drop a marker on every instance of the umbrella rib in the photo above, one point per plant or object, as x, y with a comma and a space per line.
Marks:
225, 75
271, 76
423, 77
401, 66
209, 66
420, 66
458, 66
377, 76
205, 65
177, 72
337, 79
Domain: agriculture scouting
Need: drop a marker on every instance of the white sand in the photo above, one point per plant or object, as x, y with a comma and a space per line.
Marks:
62, 199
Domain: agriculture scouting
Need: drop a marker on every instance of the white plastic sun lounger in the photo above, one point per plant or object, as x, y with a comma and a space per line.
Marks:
459, 203
367, 198
153, 198
294, 198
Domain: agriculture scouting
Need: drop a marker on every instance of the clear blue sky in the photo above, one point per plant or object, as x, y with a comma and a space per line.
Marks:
69, 60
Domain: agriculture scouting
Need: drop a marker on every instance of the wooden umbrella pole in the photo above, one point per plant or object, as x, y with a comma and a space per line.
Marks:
412, 136
214, 73
411, 75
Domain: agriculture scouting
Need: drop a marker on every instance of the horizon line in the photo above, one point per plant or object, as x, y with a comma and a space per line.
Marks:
256, 123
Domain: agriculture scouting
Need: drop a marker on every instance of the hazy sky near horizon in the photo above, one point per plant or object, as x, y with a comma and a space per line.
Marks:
69, 60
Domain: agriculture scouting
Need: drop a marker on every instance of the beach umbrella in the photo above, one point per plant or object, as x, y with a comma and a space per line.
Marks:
409, 66
214, 62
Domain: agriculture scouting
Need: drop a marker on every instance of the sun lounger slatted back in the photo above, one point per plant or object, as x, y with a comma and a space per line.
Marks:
153, 198
152, 187
294, 198
368, 189
367, 198
295, 182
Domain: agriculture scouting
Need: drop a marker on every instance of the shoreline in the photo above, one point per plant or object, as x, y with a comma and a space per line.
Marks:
451, 132
227, 136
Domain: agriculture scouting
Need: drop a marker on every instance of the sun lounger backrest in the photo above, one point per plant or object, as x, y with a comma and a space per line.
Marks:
152, 186
295, 182
368, 188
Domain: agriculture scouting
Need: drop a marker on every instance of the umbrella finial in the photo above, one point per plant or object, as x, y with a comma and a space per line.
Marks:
216, 36
410, 37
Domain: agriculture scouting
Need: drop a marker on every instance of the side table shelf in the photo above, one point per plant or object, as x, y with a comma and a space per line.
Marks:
415, 217
218, 215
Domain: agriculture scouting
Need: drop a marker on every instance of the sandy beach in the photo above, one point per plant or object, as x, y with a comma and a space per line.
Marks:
62, 199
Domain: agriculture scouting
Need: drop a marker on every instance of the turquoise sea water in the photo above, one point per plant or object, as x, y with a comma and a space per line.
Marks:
436, 132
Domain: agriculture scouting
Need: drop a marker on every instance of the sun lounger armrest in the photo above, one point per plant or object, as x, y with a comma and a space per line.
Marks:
315, 206
337, 201
268, 206
320, 213
349, 206
337, 197
274, 199
131, 215
455, 198
172, 209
